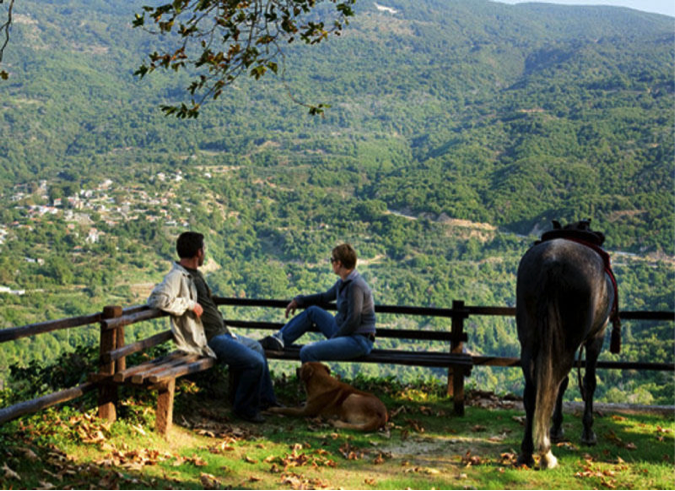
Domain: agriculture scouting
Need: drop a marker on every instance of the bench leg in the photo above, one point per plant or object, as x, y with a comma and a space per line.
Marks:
164, 415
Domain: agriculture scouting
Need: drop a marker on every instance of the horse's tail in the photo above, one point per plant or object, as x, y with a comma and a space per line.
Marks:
545, 376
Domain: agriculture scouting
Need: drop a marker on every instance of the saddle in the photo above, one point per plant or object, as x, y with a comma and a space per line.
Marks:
581, 233
579, 230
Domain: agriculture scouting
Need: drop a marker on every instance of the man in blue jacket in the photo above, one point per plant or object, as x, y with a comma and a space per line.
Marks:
350, 334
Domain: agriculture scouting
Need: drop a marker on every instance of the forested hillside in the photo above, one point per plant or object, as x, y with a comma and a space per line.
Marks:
457, 130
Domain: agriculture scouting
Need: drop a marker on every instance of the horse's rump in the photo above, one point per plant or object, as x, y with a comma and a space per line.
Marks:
562, 300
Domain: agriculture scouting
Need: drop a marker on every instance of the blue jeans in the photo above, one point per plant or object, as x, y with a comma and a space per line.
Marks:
333, 349
246, 359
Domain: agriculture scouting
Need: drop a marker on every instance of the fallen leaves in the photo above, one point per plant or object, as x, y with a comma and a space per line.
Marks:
139, 429
468, 459
382, 457
227, 445
28, 454
9, 473
132, 459
508, 458
606, 474
420, 470
297, 458
397, 411
351, 453
274, 461
614, 438
298, 481
568, 446
194, 460
661, 432
415, 425
57, 470
489, 400
210, 481
427, 411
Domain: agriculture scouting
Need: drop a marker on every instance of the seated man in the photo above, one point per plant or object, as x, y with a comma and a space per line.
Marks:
198, 327
351, 333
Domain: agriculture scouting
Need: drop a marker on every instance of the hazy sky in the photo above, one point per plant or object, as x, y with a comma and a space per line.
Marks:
666, 7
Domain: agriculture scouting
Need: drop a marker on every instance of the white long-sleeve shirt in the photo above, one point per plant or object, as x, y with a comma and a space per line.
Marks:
177, 295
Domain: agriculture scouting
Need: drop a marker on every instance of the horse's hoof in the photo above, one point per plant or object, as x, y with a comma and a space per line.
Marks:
589, 439
525, 460
548, 461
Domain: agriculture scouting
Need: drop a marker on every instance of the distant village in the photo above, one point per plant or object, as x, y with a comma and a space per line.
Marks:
89, 208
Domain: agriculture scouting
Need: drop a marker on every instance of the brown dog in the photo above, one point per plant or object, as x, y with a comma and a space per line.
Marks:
347, 407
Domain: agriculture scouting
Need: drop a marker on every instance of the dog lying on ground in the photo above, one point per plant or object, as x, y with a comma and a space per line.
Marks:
346, 406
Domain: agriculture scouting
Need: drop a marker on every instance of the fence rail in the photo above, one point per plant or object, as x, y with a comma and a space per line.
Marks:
115, 322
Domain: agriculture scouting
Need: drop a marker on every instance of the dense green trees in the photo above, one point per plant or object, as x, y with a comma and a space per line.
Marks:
457, 131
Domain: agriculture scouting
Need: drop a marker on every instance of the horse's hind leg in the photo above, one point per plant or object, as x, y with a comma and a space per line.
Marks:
529, 399
593, 348
557, 433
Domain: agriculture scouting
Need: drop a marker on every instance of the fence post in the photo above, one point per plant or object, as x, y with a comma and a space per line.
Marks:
119, 343
456, 375
107, 394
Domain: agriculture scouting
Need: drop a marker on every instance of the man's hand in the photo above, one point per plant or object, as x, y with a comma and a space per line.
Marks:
198, 310
291, 307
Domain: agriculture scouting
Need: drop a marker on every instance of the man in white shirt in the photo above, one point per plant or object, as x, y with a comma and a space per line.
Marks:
198, 327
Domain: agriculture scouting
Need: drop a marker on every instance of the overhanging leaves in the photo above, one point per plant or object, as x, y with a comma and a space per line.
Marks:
219, 40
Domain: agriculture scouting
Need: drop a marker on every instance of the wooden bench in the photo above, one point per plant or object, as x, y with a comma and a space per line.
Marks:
160, 374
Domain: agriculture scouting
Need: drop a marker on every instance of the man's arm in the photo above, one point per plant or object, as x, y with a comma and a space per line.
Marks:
165, 297
317, 298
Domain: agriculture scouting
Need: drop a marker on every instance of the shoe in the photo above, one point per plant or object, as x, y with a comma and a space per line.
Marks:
256, 418
272, 343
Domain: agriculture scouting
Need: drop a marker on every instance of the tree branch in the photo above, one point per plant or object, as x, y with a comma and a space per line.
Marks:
250, 34
4, 28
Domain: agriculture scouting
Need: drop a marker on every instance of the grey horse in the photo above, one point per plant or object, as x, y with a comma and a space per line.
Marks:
564, 296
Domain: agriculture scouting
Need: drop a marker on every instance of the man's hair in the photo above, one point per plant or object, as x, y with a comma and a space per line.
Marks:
188, 244
346, 254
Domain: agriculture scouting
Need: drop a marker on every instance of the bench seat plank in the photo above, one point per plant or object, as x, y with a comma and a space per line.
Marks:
148, 366
122, 376
171, 373
395, 357
176, 359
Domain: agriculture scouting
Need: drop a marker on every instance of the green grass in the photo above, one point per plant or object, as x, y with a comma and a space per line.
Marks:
423, 447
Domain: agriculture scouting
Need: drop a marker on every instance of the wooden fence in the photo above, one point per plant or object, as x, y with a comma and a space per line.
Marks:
116, 321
